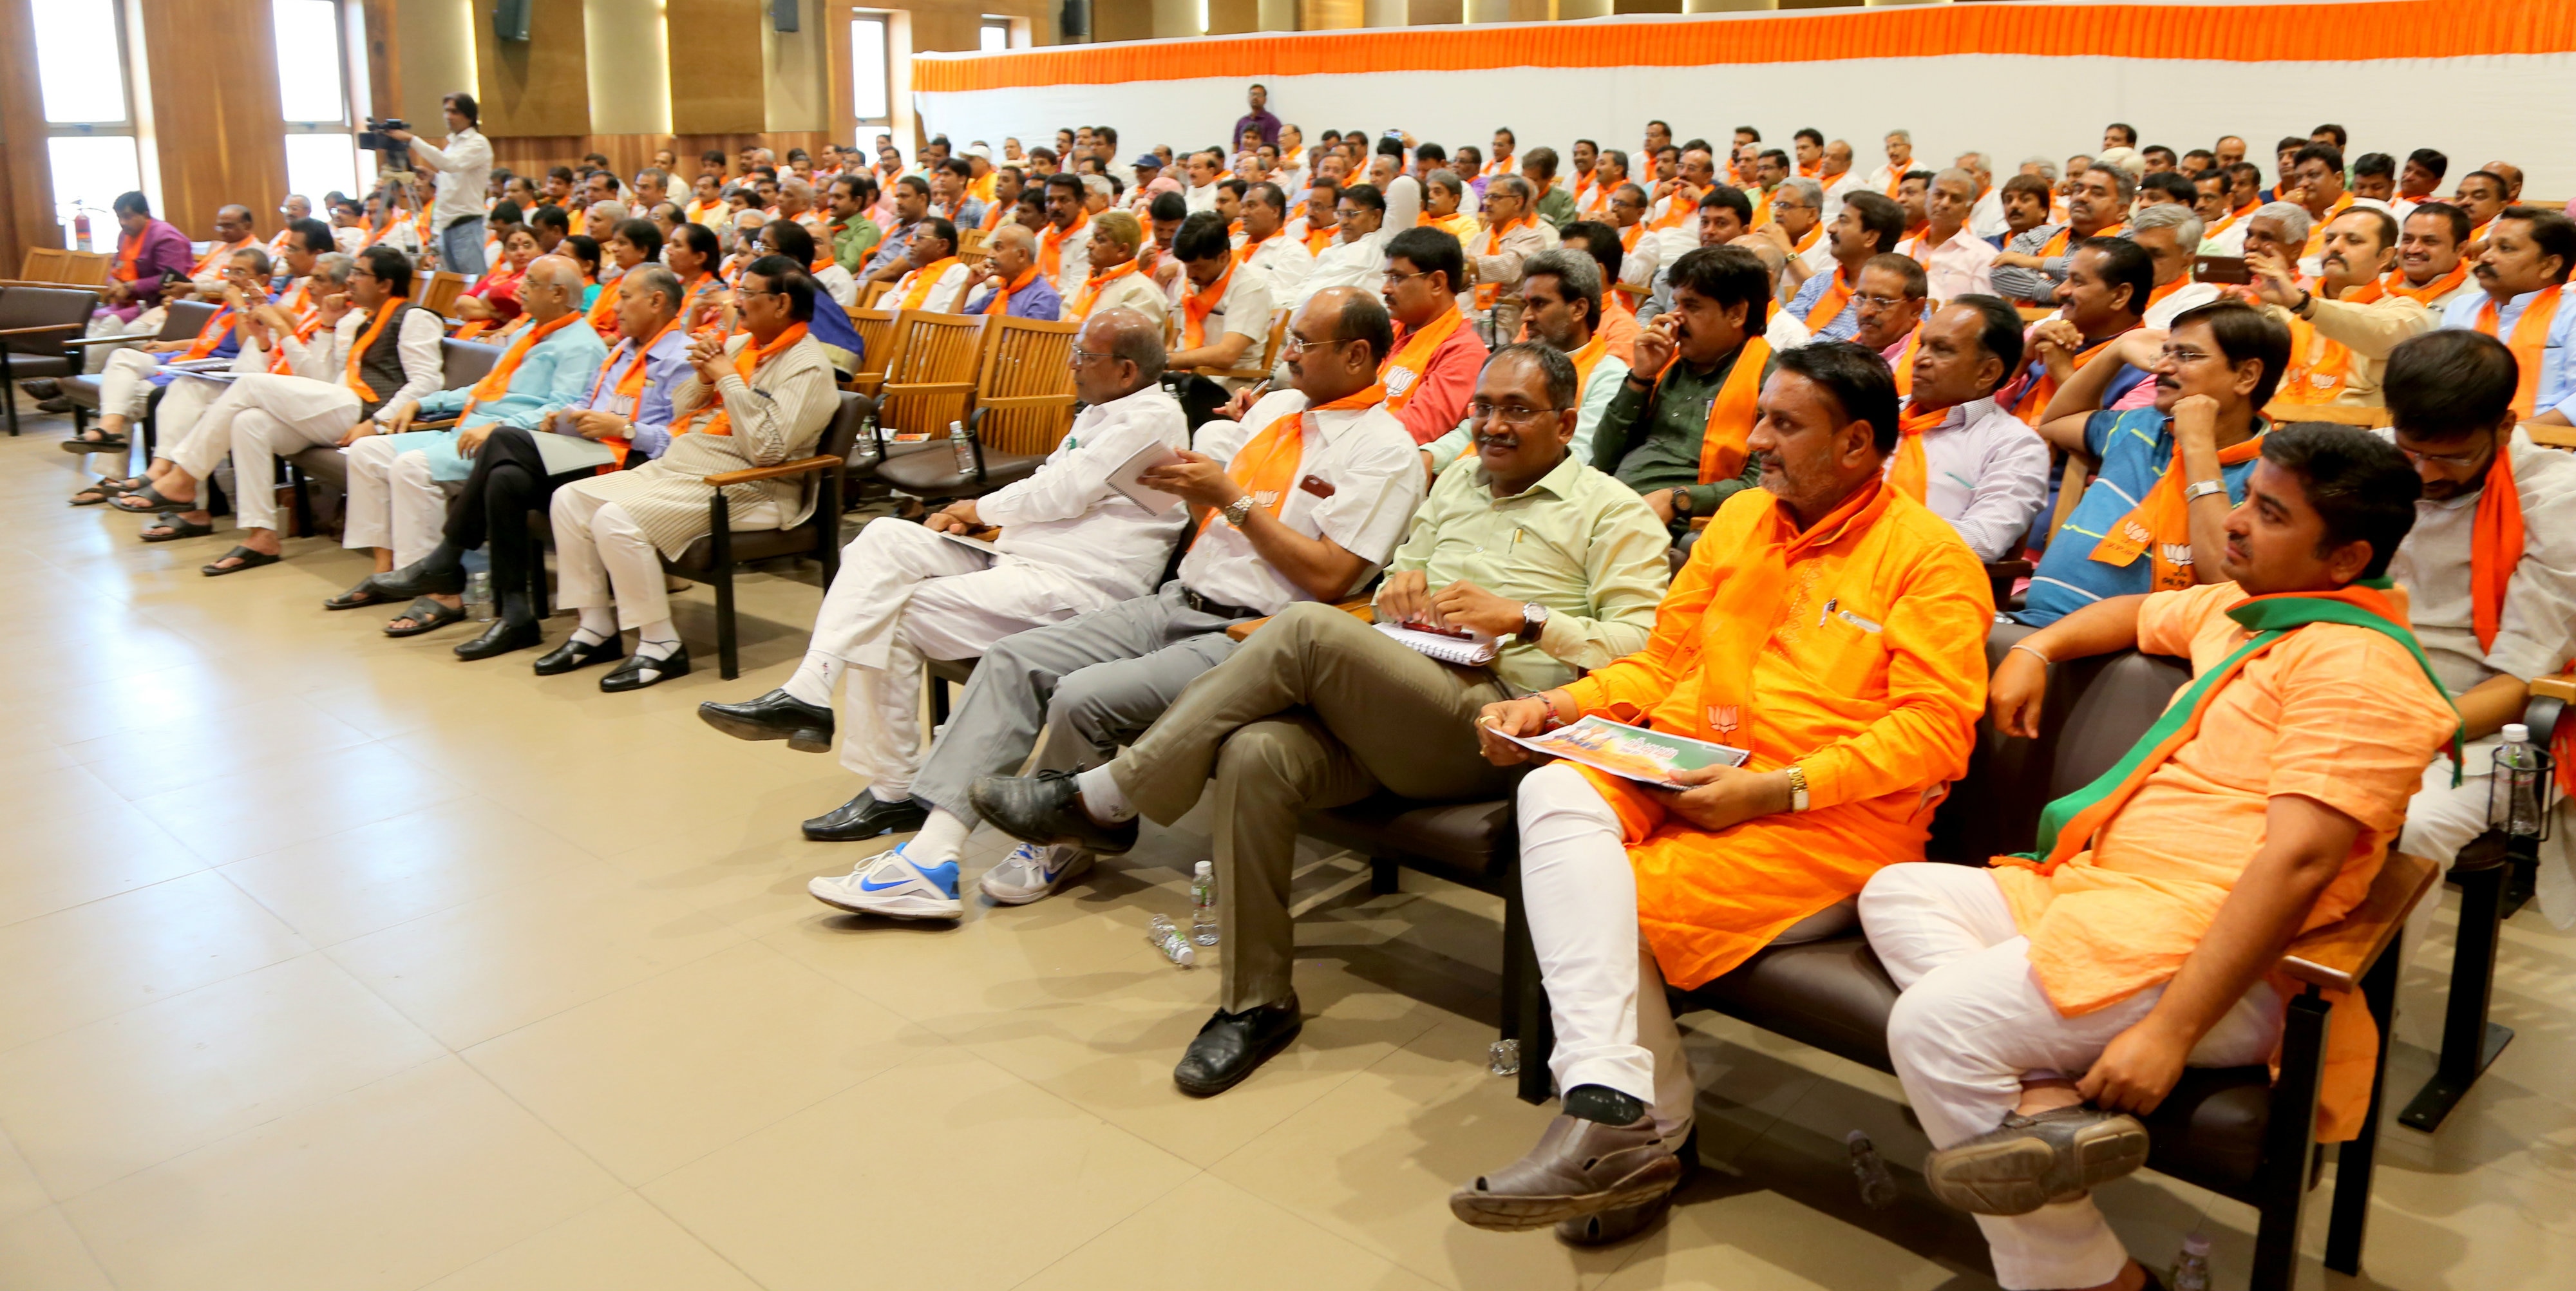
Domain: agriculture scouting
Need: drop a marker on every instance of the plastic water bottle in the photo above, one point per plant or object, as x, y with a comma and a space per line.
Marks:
1877, 1187
1504, 1058
1167, 938
2191, 1268
1203, 904
963, 446
2517, 763
478, 596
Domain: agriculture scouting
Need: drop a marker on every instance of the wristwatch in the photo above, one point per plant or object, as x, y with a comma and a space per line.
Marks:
2195, 492
1681, 500
1797, 787
1238, 511
1533, 621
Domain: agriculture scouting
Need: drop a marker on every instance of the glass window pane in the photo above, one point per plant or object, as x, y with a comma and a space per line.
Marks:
89, 173
321, 163
308, 60
79, 61
868, 97
997, 36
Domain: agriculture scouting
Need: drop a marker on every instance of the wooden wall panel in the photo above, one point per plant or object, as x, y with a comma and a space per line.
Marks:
26, 175
384, 74
215, 120
1233, 17
1133, 19
629, 153
1331, 15
716, 71
540, 86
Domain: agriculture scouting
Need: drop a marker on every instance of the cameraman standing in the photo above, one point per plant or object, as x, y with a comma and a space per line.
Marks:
464, 169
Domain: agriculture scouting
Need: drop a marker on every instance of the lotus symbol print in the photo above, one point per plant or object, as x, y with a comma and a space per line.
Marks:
1724, 718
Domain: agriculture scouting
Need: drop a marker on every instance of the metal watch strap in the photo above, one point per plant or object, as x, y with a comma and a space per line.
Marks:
1797, 787
2195, 492
1239, 510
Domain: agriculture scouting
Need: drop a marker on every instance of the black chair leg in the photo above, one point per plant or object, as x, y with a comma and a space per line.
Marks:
303, 510
2349, 1220
1537, 1025
721, 566
2470, 1042
9, 383
2281, 1183
1385, 877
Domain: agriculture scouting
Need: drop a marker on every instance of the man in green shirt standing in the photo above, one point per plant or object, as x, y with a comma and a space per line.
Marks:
850, 233
1520, 547
1656, 435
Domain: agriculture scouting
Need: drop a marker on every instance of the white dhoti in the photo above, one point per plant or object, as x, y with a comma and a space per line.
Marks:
263, 417
393, 502
603, 557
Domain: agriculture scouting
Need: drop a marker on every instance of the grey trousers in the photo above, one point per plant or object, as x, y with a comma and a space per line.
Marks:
1093, 682
1317, 709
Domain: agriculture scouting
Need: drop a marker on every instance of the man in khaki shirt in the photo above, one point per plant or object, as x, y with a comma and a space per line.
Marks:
1531, 549
2342, 330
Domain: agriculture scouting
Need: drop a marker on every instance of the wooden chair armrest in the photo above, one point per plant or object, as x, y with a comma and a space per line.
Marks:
894, 388
435, 423
1363, 608
2550, 436
754, 474
2008, 569
2562, 689
86, 341
59, 327
2336, 957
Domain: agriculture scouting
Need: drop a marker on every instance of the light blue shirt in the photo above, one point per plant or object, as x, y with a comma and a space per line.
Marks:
2557, 375
552, 375
1843, 326
666, 365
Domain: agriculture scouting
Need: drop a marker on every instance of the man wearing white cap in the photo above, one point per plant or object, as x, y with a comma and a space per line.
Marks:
979, 162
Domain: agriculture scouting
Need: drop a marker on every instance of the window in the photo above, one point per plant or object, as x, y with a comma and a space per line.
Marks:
995, 36
313, 89
89, 117
871, 69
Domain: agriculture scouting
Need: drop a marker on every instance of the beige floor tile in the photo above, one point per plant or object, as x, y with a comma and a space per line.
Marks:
63, 794
141, 763
42, 1251
387, 1186
1732, 1231
21, 1193
623, 1244
100, 1102
946, 1172
57, 863
283, 801
395, 870
657, 1075
100, 959
1173, 1242
497, 963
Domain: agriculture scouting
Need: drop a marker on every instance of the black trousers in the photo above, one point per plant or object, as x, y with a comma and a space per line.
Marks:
508, 482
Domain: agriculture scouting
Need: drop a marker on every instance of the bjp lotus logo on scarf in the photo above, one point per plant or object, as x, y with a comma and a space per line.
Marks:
2175, 553
1724, 718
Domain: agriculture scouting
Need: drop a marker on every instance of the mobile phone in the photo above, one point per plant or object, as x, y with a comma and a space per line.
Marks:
2227, 271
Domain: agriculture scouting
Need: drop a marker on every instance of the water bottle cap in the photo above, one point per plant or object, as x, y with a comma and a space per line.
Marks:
1207, 868
2516, 733
2196, 1243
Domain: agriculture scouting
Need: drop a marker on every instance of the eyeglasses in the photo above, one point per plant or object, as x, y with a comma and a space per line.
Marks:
2439, 459
2179, 355
1296, 344
1082, 356
1397, 277
1512, 415
1880, 302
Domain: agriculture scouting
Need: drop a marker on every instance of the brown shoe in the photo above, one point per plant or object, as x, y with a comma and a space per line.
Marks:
1579, 1168
2030, 1161
1611, 1227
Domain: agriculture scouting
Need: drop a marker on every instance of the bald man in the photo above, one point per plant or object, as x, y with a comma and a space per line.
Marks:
1014, 286
232, 233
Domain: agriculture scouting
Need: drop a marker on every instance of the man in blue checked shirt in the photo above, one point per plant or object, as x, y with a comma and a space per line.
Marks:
1026, 293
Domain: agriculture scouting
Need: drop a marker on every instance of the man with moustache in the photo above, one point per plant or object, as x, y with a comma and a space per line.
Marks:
1679, 430
2431, 269
2524, 268
2342, 328
1976, 465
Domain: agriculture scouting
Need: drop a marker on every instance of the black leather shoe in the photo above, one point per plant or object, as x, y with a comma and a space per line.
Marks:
575, 653
864, 817
502, 638
420, 578
1044, 809
42, 388
774, 716
638, 672
1232, 1044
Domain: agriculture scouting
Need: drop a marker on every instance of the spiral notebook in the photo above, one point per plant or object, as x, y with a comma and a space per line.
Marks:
1466, 652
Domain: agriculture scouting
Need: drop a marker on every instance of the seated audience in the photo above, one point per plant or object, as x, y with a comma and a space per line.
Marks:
493, 301
1869, 225
1617, 321
1432, 369
2431, 269
151, 256
1266, 245
2524, 270
935, 279
2107, 283
849, 234
2170, 235
1064, 243
2033, 265
1958, 262
1015, 285
911, 200
1512, 232
1224, 305
1357, 255
2345, 322
133, 373
1117, 280
1679, 430
1976, 465
1562, 289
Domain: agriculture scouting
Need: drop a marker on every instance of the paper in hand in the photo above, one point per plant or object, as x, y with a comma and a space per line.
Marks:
1125, 478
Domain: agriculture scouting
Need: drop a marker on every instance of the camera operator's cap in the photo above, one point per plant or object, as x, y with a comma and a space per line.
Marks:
1147, 161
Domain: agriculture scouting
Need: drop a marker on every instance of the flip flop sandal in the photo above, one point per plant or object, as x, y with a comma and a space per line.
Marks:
94, 494
150, 499
86, 446
426, 615
174, 527
249, 560
364, 593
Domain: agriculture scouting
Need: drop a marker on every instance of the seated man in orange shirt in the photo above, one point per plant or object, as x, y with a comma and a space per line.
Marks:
1836, 628
2049, 997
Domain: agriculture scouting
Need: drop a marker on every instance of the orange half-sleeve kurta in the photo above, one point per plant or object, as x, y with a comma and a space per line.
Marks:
1870, 675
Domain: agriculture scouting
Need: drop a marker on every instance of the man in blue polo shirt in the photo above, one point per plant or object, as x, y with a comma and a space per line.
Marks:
2170, 473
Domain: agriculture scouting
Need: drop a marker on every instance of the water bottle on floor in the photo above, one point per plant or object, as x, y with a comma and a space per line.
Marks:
1167, 938
1203, 904
1877, 1187
2191, 1269
478, 596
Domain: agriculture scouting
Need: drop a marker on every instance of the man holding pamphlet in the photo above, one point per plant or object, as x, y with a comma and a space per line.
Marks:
1834, 628
1524, 567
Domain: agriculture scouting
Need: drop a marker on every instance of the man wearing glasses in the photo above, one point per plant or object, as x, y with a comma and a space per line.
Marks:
1522, 548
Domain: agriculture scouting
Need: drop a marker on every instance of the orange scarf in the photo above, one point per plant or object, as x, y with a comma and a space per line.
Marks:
2432, 291
1903, 370
2495, 544
2318, 365
219, 255
1808, 243
1910, 472
1403, 370
299, 306
1896, 177
705, 282
496, 383
923, 279
2034, 401
993, 213
1266, 467
1318, 239
1243, 254
1679, 206
1001, 301
749, 359
2057, 245
129, 249
1811, 169
2157, 295
1051, 242
1585, 359
209, 336
1731, 414
366, 340
2530, 337
2232, 217
1196, 306
1487, 293
2161, 522
2317, 230
603, 315
1090, 293
1829, 306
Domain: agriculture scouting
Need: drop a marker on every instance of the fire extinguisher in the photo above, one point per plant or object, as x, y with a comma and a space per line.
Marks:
80, 228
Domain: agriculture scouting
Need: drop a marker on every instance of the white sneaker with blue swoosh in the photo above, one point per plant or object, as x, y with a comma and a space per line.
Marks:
890, 884
1032, 872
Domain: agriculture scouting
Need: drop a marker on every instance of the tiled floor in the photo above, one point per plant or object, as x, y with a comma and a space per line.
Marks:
331, 962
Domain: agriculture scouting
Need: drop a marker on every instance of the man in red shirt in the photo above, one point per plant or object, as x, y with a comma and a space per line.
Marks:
1437, 354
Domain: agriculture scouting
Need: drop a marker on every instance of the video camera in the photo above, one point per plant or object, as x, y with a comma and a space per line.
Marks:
373, 139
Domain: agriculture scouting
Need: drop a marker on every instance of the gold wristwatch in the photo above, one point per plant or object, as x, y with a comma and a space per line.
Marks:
1797, 787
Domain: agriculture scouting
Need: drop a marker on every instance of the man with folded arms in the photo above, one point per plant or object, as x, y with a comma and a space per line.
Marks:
1976, 465
2050, 1000
2170, 473
2524, 269
2033, 264
2341, 331
1558, 564
1437, 354
1678, 430
1071, 543
1834, 628
396, 504
759, 398
1305, 498
624, 407
2430, 268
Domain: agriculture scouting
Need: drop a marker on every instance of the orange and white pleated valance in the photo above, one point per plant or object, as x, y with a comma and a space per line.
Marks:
2356, 31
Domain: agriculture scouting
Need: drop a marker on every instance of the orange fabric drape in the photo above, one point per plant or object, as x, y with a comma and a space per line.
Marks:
367, 339
496, 382
1487, 293
1730, 415
1002, 298
1413, 358
2319, 366
1196, 306
1830, 305
923, 279
1266, 467
1051, 242
1090, 294
209, 336
2432, 291
1911, 471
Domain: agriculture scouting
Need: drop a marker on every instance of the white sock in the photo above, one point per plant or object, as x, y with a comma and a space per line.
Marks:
598, 624
942, 838
657, 640
815, 679
1101, 798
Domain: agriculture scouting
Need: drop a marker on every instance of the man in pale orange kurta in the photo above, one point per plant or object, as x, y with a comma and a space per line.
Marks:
2141, 938
1836, 629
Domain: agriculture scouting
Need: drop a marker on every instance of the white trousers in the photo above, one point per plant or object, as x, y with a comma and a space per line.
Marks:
603, 557
145, 326
182, 411
905, 595
263, 416
393, 502
124, 384
1973, 1024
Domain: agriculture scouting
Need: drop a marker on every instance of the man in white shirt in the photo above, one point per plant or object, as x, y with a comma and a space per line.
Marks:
1986, 217
937, 280
464, 169
1203, 168
1064, 245
1071, 543
1984, 471
1116, 280
1224, 306
1307, 496
1900, 159
1562, 290
1957, 261
1266, 244
1839, 179
1357, 256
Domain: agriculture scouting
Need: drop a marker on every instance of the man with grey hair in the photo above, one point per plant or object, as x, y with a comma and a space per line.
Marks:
1900, 159
1986, 217
1955, 260
1562, 297
599, 222
2343, 324
2171, 233
2031, 267
1513, 233
1072, 542
1797, 228
1097, 193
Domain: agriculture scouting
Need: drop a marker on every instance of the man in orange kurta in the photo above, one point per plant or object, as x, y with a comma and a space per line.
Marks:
2045, 1002
1836, 629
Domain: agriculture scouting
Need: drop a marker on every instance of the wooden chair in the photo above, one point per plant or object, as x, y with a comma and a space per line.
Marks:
439, 296
2034, 313
2284, 413
87, 268
974, 247
876, 331
36, 325
872, 293
1269, 354
933, 382
1023, 405
2550, 436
